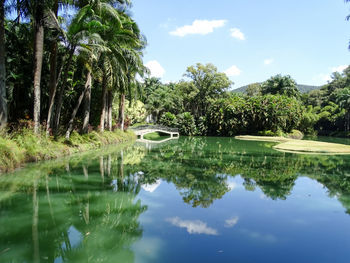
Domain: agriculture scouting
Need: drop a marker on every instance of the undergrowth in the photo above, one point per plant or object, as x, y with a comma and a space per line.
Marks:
24, 146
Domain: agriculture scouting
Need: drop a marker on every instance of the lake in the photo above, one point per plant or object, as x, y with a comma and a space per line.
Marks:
187, 200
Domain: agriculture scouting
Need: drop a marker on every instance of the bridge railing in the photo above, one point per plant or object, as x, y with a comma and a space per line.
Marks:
154, 127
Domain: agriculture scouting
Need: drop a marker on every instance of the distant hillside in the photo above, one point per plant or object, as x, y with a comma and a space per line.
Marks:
301, 88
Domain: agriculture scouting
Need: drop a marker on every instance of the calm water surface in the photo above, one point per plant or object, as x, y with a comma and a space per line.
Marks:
191, 200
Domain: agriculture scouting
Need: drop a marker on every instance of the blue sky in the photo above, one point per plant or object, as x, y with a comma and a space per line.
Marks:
250, 40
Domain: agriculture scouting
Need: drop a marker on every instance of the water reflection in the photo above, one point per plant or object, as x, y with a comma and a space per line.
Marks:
77, 213
88, 208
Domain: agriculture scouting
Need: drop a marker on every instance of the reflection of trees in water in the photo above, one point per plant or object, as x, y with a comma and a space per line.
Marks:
200, 167
86, 209
77, 213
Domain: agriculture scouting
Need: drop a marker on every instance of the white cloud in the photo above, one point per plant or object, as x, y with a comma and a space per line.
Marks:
327, 77
151, 187
231, 222
198, 27
268, 61
156, 69
233, 71
269, 238
193, 226
339, 68
237, 33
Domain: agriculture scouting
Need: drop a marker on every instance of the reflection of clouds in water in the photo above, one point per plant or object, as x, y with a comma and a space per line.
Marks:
147, 249
269, 238
231, 222
151, 187
193, 226
263, 197
232, 185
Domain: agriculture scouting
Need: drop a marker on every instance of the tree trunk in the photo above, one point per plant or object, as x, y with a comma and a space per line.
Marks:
110, 110
18, 9
3, 100
87, 105
53, 77
104, 102
61, 92
121, 111
38, 62
74, 113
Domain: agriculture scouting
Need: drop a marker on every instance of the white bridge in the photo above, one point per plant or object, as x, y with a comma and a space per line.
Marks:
141, 131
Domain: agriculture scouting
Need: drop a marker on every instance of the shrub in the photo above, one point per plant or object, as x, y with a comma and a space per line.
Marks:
168, 119
186, 124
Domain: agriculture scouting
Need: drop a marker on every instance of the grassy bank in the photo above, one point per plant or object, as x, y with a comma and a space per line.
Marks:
301, 146
24, 146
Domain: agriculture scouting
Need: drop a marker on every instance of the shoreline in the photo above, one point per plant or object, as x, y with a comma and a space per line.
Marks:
301, 146
25, 147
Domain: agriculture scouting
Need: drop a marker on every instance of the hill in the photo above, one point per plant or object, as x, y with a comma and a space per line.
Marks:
301, 88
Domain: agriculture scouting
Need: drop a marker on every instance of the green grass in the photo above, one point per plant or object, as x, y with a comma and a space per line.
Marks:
155, 136
301, 146
24, 146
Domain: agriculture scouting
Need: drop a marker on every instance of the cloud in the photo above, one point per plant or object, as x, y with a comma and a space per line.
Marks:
198, 27
268, 61
269, 238
193, 226
339, 68
327, 77
231, 222
151, 187
156, 69
237, 33
233, 71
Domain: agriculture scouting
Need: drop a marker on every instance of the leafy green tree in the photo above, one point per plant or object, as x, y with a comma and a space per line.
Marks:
254, 89
283, 85
186, 124
209, 84
168, 119
343, 99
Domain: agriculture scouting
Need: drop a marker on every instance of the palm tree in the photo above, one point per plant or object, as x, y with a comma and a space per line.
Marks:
3, 101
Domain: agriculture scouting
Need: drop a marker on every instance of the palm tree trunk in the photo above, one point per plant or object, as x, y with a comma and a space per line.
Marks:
38, 62
74, 113
63, 88
110, 110
53, 78
18, 9
104, 102
87, 105
3, 101
121, 111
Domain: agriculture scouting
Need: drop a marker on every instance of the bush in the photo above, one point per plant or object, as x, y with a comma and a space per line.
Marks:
186, 124
295, 134
248, 115
168, 119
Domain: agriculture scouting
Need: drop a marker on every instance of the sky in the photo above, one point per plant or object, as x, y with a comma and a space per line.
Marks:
249, 40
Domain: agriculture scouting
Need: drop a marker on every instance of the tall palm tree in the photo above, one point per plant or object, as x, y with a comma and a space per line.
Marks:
3, 101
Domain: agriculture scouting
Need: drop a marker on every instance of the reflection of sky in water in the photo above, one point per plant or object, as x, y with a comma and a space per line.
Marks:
245, 225
75, 239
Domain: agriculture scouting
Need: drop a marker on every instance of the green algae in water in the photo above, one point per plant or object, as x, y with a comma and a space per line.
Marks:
187, 200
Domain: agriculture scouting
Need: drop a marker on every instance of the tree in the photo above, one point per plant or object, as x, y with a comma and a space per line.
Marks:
254, 89
39, 7
210, 84
343, 99
3, 97
283, 85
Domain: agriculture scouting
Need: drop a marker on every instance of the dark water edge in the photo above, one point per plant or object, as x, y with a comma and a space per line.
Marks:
187, 200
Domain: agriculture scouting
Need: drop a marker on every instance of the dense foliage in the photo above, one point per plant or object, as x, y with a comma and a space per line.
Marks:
274, 107
67, 63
